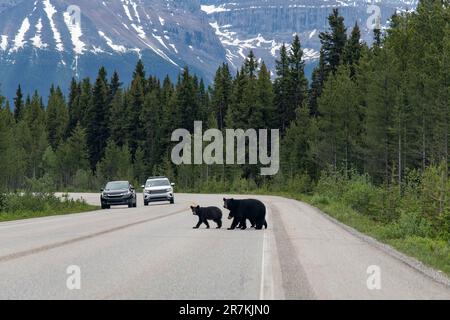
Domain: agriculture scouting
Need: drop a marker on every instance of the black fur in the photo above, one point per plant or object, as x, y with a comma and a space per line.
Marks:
241, 210
207, 213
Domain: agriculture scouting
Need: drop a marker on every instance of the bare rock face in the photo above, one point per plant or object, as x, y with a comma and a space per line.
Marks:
44, 43
263, 26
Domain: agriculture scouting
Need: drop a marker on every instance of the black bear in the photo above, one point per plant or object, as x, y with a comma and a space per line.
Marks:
207, 213
241, 210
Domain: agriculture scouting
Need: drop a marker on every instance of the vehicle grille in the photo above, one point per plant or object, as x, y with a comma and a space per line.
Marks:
158, 191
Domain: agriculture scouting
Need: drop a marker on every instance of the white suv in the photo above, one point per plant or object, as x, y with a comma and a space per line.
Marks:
158, 189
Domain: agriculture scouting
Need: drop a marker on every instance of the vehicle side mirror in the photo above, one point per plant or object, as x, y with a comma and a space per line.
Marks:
101, 190
172, 184
142, 186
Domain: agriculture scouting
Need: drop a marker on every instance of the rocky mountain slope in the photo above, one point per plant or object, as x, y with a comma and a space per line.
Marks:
49, 41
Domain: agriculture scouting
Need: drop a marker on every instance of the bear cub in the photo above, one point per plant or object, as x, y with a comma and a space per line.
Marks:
207, 213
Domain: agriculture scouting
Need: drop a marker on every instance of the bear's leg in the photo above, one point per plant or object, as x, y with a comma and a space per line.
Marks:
265, 223
219, 223
234, 224
243, 224
259, 224
207, 224
198, 224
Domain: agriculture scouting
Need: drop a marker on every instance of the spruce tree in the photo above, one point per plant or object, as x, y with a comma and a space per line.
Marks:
97, 118
18, 104
282, 89
221, 94
299, 87
57, 117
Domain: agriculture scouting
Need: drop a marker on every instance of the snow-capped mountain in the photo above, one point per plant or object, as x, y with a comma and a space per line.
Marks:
50, 41
44, 41
264, 25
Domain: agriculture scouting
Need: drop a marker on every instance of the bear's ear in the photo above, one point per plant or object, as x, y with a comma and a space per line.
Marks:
198, 207
224, 199
192, 207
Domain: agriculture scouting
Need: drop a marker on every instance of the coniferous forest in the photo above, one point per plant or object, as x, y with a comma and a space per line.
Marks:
370, 129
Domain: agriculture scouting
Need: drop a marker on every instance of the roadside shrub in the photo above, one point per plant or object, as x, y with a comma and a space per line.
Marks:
81, 180
361, 195
43, 184
332, 184
2, 201
300, 183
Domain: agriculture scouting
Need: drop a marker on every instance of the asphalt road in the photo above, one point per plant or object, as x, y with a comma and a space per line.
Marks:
153, 253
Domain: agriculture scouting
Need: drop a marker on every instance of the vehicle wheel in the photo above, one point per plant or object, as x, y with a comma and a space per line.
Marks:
145, 203
172, 201
104, 206
135, 205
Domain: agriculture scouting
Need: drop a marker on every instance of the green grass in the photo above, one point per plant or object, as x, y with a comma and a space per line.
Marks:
25, 206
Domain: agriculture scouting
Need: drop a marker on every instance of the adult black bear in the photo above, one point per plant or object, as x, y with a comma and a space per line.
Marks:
241, 210
207, 213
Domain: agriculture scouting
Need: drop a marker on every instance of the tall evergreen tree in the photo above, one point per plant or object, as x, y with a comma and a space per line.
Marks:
18, 104
282, 88
96, 119
221, 94
299, 87
57, 117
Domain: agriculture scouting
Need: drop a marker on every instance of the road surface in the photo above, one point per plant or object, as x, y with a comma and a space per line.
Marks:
153, 253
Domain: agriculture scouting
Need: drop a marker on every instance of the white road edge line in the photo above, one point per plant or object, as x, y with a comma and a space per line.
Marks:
263, 264
267, 282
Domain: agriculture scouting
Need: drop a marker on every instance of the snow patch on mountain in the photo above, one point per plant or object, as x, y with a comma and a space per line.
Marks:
75, 34
210, 9
37, 39
109, 42
4, 42
51, 11
19, 40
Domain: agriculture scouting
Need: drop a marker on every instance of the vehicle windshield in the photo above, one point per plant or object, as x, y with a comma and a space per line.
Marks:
157, 183
118, 185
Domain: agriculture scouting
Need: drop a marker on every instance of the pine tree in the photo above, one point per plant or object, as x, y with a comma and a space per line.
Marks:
265, 100
221, 94
96, 119
114, 86
72, 156
135, 104
57, 117
282, 88
296, 157
74, 106
299, 88
119, 121
187, 105
116, 164
18, 104
34, 116
333, 42
339, 122
352, 50
85, 100
317, 82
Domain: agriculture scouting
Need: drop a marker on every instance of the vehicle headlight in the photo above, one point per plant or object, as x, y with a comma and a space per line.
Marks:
169, 190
